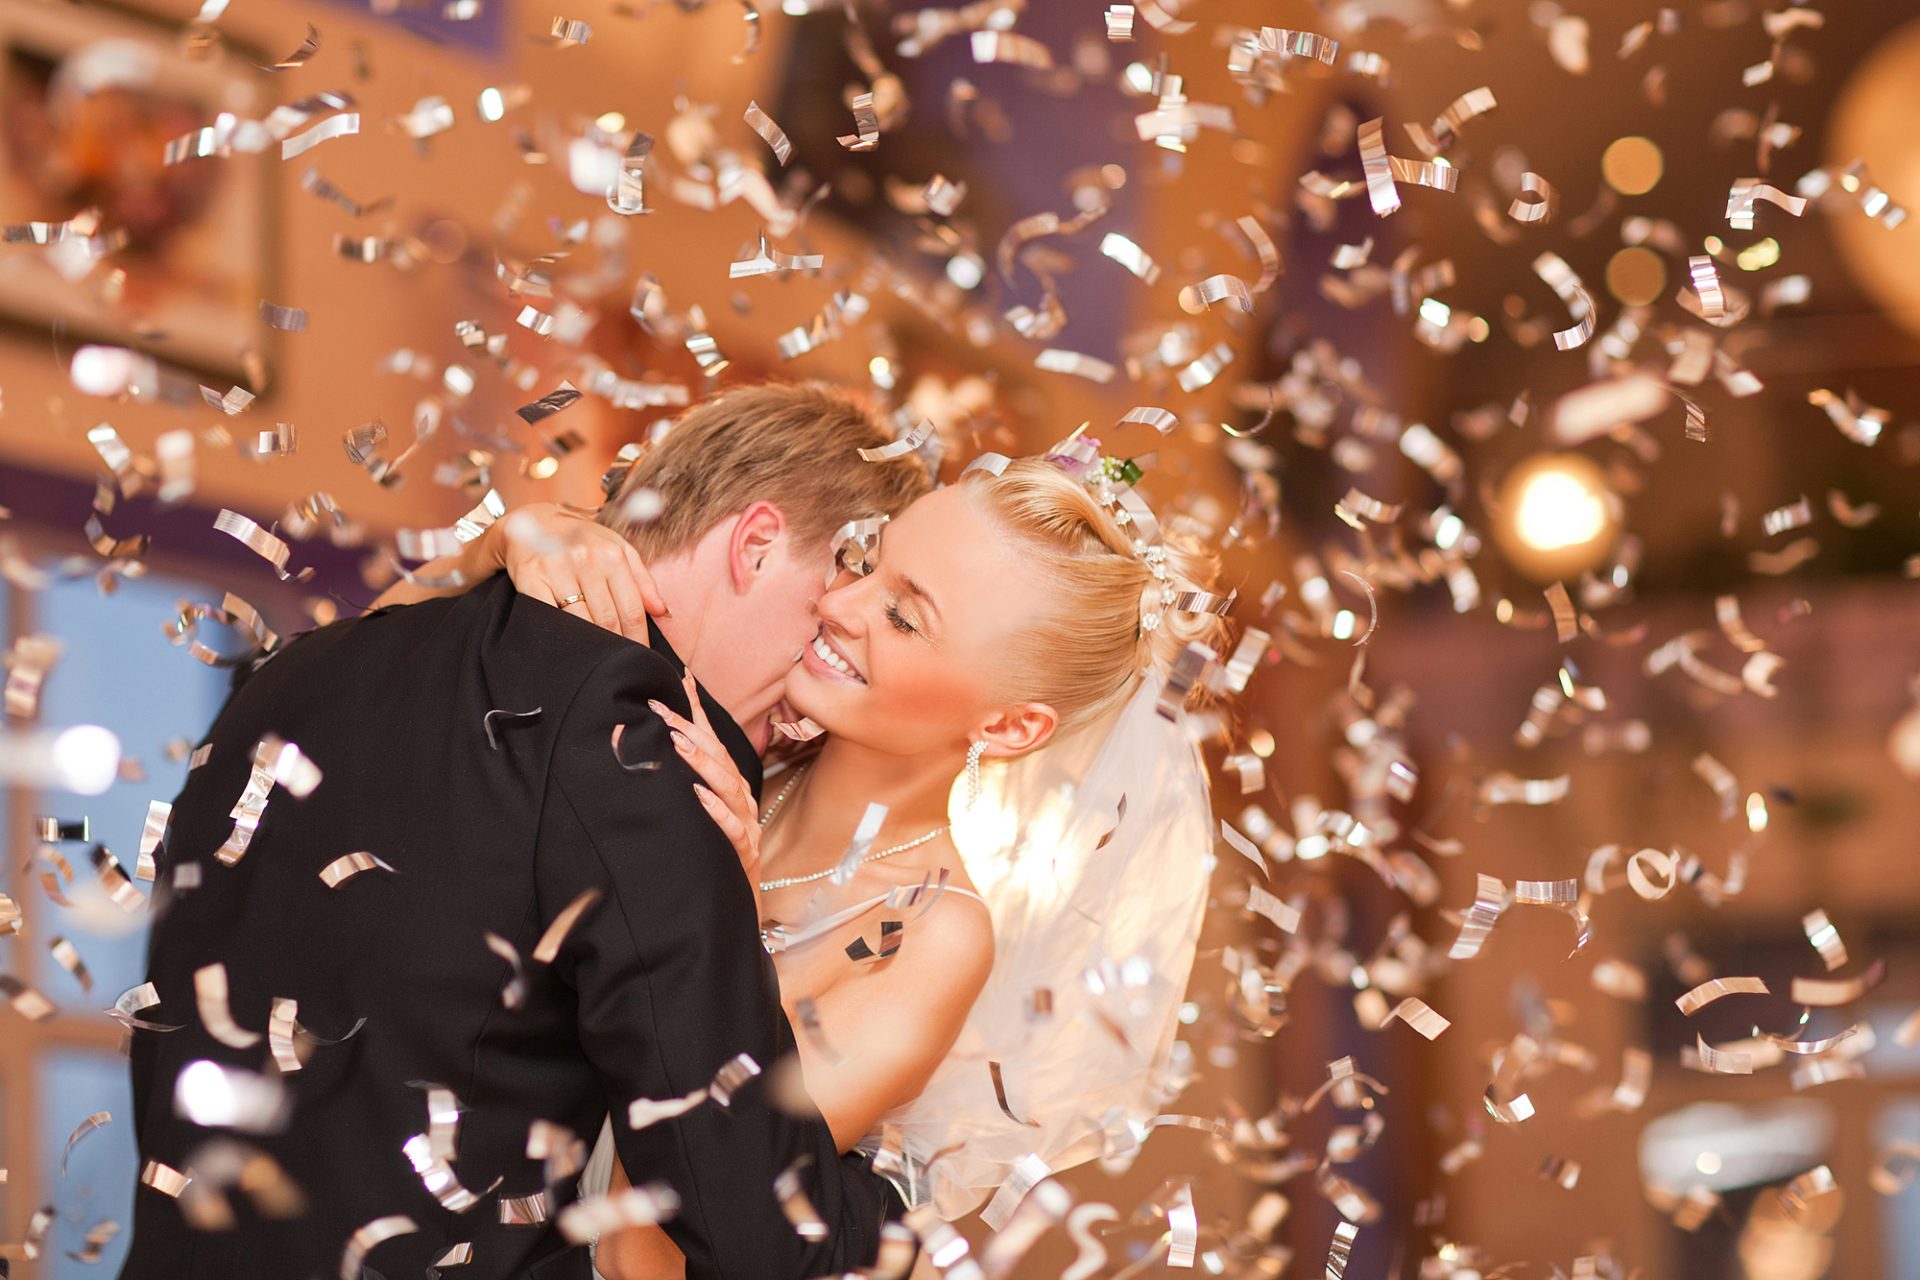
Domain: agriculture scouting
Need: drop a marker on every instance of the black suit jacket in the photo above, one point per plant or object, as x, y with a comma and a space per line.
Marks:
654, 989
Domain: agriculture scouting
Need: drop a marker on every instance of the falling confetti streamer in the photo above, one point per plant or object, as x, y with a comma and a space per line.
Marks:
340, 126
81, 1130
347, 866
914, 439
772, 134
210, 992
367, 1238
302, 55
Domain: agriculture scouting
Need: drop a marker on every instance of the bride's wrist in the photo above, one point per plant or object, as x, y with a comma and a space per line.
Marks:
490, 548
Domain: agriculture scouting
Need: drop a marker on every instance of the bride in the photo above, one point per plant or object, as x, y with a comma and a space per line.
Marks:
985, 986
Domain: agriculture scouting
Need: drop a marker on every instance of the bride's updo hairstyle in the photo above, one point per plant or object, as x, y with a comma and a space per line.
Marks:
1085, 658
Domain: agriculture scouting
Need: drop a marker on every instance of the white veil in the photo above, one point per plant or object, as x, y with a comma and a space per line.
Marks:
1093, 856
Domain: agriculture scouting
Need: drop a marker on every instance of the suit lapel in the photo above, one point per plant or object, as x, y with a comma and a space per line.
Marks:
731, 735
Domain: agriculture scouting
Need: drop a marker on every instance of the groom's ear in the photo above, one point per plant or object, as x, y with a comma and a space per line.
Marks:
1019, 728
757, 531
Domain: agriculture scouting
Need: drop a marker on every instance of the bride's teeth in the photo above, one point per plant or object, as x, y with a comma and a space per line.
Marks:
826, 654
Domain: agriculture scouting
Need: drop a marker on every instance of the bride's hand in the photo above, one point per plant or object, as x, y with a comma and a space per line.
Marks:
726, 796
553, 554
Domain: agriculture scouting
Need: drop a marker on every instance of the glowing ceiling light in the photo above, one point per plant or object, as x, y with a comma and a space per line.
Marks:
1558, 509
1558, 516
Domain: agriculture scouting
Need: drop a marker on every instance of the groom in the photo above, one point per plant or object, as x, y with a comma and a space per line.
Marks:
473, 903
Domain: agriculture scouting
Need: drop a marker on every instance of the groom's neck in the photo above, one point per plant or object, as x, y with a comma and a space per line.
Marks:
709, 608
686, 585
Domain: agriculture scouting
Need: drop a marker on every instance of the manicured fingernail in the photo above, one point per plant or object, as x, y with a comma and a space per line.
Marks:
681, 742
706, 796
657, 707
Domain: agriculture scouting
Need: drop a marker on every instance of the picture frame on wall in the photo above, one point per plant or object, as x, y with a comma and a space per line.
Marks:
89, 99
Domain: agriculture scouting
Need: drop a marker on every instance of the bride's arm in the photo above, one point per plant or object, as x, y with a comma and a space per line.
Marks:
552, 554
881, 1033
448, 575
871, 1041
636, 1253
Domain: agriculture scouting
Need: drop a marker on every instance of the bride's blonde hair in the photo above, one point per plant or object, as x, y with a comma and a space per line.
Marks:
1085, 657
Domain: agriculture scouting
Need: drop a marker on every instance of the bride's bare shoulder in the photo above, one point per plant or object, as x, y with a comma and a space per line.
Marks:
963, 915
949, 945
954, 930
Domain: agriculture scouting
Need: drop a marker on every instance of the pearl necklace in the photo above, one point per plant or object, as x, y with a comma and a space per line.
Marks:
767, 886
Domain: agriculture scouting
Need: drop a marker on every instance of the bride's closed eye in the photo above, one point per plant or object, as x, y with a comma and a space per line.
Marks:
899, 620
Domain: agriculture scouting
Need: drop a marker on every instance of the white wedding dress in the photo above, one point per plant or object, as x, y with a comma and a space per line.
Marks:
1093, 857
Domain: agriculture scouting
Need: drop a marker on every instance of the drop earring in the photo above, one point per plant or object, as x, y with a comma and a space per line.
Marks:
974, 751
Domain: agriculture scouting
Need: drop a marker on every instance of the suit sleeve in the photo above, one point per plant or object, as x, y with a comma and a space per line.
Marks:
672, 983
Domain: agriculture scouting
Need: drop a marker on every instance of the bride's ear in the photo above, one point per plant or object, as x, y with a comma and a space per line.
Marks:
1019, 728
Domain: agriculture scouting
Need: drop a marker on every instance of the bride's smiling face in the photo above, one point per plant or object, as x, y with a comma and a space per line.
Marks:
908, 659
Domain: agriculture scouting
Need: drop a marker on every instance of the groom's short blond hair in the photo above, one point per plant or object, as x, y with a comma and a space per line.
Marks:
796, 445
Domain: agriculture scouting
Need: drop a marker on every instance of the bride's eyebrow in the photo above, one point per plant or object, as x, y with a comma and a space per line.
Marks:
919, 592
